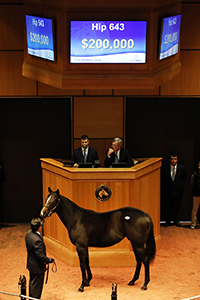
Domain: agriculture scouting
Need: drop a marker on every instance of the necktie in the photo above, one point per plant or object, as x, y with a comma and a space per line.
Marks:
173, 174
116, 157
84, 156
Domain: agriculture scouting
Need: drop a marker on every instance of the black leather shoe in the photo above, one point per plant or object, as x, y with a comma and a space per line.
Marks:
166, 224
178, 224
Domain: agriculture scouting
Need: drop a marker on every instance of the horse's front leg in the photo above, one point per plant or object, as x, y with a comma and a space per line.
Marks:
89, 273
82, 254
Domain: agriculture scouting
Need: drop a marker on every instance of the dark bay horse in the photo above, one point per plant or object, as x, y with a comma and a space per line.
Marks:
88, 228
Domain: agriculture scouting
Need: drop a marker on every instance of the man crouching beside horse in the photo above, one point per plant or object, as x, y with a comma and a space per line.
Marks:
88, 228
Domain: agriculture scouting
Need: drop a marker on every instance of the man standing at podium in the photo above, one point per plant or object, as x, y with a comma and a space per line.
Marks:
117, 154
84, 153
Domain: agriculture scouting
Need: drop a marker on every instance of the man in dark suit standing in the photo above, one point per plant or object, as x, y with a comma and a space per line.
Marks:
36, 258
84, 153
117, 154
173, 177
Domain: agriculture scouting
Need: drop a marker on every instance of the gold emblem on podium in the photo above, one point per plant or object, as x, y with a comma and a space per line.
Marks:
103, 193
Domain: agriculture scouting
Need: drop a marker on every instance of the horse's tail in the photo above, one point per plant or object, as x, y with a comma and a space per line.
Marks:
150, 244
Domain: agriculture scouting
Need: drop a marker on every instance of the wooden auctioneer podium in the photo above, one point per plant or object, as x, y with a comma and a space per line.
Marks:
138, 187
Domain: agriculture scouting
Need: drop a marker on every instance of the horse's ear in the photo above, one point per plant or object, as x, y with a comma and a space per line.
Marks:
50, 190
58, 192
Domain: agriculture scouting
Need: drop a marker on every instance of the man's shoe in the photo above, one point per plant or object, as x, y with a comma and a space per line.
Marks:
192, 226
178, 224
166, 224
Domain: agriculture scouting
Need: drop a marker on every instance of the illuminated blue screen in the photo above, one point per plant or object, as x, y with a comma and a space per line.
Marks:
40, 37
170, 36
108, 42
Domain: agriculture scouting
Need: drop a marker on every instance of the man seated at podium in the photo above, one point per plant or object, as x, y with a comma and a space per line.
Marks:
117, 154
84, 154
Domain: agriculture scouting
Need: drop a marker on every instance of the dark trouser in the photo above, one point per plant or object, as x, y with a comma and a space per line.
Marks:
172, 207
35, 285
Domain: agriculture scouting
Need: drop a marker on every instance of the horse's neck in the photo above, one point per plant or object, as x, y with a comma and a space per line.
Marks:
67, 212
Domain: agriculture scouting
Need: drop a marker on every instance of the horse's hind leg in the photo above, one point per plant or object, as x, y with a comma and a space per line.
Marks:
141, 257
84, 265
147, 277
137, 270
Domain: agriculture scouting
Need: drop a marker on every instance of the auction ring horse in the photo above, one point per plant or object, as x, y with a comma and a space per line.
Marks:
88, 228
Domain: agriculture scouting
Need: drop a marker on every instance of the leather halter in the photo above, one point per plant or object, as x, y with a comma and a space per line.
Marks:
53, 209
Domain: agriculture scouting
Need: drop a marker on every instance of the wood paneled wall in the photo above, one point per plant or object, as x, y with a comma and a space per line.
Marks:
12, 83
11, 27
101, 119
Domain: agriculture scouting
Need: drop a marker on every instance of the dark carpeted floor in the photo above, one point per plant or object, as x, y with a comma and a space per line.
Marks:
175, 273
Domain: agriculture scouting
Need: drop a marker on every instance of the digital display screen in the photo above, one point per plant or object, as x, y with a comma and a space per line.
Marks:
40, 37
108, 42
170, 36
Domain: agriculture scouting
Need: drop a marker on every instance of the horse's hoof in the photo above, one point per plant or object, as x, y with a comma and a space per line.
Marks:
144, 287
81, 289
131, 282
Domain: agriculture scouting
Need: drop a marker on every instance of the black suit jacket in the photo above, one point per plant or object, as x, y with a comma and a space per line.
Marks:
77, 156
123, 157
36, 253
173, 188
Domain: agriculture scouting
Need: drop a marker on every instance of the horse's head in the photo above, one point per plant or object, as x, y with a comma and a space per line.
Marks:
51, 204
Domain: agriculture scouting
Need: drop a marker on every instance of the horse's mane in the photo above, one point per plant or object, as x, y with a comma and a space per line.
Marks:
74, 204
